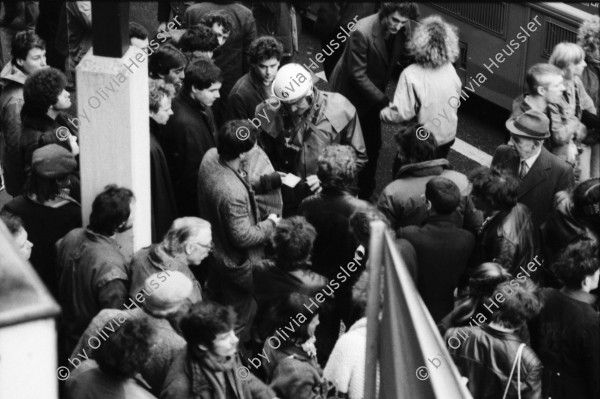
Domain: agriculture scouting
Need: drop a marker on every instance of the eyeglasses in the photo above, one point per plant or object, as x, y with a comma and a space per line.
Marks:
210, 246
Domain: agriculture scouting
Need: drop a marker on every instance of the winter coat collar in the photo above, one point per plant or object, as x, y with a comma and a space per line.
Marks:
359, 324
13, 74
421, 169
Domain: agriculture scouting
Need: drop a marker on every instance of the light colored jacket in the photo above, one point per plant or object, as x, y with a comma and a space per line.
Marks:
432, 96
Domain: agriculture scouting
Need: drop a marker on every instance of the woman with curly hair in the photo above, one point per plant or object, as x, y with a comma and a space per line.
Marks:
588, 37
426, 89
111, 375
508, 235
566, 334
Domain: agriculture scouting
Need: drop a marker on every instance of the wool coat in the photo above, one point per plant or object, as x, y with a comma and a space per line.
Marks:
227, 201
365, 68
547, 176
188, 135
443, 251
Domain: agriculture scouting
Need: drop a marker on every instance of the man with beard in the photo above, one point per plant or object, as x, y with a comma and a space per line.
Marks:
92, 269
255, 86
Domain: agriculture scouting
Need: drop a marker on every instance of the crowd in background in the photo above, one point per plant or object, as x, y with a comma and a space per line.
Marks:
262, 194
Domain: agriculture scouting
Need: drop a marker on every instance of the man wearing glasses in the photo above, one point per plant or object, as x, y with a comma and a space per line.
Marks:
187, 243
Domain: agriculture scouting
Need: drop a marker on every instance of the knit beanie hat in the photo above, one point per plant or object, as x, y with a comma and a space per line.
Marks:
166, 292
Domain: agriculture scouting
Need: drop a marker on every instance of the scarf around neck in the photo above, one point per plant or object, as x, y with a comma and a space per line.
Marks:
209, 366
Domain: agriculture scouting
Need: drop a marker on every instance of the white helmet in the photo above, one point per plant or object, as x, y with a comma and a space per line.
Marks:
291, 83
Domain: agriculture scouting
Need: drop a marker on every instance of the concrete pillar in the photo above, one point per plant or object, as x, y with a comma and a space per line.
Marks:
112, 98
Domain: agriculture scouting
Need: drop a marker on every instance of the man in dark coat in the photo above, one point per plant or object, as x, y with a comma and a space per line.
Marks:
364, 70
329, 212
542, 174
443, 249
232, 56
191, 131
255, 87
164, 208
278, 19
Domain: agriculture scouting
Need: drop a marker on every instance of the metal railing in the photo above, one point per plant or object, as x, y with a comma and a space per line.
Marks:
401, 335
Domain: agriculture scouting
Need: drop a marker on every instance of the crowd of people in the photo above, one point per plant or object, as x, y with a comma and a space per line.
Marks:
262, 195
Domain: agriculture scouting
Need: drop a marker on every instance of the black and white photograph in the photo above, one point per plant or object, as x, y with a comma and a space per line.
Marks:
299, 200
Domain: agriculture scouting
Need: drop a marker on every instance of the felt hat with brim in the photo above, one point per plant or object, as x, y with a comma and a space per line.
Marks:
531, 124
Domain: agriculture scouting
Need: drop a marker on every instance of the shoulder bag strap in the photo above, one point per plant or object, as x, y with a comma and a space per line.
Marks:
516, 364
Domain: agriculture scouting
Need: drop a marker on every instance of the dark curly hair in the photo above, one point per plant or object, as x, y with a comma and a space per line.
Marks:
287, 309
264, 48
126, 350
41, 90
576, 262
411, 149
204, 321
23, 42
110, 209
167, 57
406, 9
198, 38
293, 242
497, 187
337, 168
201, 74
216, 17
521, 303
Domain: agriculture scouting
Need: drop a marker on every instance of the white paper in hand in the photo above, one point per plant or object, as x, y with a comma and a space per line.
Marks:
291, 180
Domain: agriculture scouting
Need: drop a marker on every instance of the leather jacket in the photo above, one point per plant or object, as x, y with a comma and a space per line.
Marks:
508, 238
563, 228
485, 356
